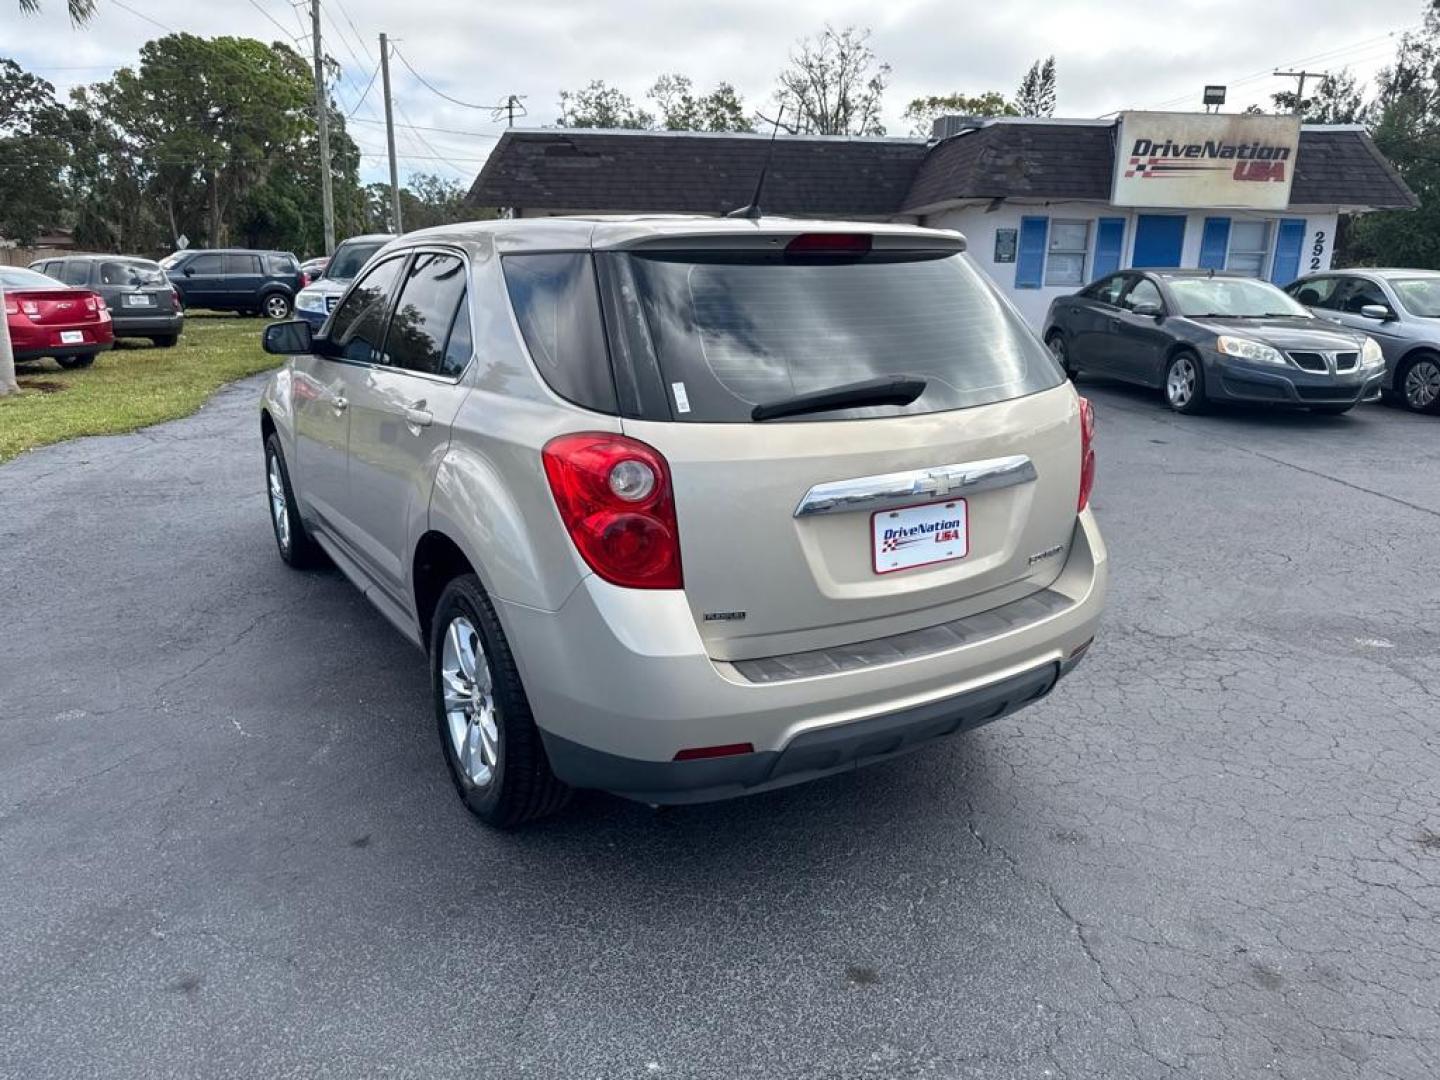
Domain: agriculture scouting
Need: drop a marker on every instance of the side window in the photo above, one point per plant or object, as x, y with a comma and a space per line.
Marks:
557, 305
461, 345
1065, 258
1249, 247
242, 264
1107, 290
76, 272
358, 325
52, 268
205, 264
1354, 293
1143, 291
420, 326
1315, 292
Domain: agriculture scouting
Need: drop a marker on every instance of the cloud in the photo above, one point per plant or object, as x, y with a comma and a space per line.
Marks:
1109, 57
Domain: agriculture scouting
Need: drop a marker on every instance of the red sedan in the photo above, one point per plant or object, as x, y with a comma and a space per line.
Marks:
47, 318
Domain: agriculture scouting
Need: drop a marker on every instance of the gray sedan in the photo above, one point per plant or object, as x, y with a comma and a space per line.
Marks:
1203, 336
1398, 308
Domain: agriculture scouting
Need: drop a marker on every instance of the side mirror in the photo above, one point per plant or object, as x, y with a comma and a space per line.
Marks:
1148, 308
290, 338
189, 271
1378, 312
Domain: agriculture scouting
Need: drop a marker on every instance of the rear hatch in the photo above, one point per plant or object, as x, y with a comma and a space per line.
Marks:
60, 307
835, 525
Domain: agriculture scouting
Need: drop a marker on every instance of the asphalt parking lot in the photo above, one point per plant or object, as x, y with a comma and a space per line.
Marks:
228, 846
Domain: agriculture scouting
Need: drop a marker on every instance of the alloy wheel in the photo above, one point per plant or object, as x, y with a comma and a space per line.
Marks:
279, 509
1422, 384
1180, 384
469, 694
276, 307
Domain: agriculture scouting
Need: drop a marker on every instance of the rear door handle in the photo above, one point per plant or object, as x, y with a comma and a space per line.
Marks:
339, 404
417, 416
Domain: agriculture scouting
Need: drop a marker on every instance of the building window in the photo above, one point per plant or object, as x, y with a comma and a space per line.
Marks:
1065, 259
1249, 247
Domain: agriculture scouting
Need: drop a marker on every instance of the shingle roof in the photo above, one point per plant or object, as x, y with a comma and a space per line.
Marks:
704, 174
708, 174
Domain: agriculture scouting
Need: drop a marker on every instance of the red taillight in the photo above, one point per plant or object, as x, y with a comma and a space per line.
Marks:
304, 279
1087, 452
93, 303
30, 307
615, 499
700, 753
829, 244
174, 298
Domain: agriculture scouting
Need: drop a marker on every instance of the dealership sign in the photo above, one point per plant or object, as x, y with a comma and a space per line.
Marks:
1205, 159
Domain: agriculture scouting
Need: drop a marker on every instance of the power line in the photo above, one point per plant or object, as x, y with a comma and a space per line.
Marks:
292, 38
141, 15
356, 31
368, 87
434, 90
437, 130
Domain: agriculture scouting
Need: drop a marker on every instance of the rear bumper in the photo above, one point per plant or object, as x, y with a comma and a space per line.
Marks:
145, 325
619, 682
35, 343
1232, 379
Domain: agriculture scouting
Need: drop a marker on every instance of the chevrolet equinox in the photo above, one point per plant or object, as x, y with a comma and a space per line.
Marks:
686, 508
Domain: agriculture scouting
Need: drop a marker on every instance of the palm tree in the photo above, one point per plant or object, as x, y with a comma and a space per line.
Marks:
81, 12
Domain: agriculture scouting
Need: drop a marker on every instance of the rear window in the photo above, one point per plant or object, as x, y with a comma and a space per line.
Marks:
730, 331
13, 277
130, 272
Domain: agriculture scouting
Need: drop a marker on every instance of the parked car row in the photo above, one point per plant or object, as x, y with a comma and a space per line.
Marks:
140, 298
1326, 343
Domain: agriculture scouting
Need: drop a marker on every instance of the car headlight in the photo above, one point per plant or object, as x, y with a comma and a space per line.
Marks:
309, 300
1256, 351
1370, 354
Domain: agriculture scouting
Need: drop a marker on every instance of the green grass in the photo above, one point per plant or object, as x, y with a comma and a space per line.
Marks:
130, 386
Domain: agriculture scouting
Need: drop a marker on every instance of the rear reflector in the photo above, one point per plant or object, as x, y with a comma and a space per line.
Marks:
698, 753
1087, 452
829, 244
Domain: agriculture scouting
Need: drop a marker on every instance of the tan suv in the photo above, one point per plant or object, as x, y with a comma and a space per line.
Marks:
685, 508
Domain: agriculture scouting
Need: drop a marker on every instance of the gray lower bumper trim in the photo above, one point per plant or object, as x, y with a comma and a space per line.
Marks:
906, 646
810, 755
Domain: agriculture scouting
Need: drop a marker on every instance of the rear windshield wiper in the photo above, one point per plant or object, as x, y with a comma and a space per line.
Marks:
887, 390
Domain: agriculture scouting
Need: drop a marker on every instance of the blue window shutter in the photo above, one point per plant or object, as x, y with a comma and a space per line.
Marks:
1030, 259
1289, 239
1214, 243
1109, 246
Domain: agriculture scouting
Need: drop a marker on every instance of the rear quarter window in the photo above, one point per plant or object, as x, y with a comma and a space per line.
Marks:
557, 306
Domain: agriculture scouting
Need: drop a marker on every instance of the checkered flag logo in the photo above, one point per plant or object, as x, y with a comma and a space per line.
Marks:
889, 545
1139, 167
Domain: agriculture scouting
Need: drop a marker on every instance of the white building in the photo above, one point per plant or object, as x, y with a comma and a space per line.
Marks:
1046, 205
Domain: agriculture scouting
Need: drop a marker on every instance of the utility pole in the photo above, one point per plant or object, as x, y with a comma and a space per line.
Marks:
322, 117
390, 133
1301, 76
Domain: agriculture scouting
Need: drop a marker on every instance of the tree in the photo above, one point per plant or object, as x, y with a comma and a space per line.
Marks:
425, 200
598, 105
922, 112
681, 110
1337, 99
81, 11
1406, 126
1036, 96
833, 85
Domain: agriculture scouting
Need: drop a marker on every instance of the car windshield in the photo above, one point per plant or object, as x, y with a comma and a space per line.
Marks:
731, 331
13, 277
350, 259
1233, 298
1420, 296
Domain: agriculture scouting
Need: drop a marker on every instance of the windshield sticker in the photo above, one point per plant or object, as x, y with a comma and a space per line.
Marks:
682, 399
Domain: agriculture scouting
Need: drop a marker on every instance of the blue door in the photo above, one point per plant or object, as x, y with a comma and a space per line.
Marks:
1159, 240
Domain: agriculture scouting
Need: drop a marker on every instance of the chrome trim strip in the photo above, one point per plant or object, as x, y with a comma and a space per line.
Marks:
890, 490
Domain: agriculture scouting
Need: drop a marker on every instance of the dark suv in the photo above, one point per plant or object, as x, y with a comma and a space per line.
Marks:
142, 302
235, 279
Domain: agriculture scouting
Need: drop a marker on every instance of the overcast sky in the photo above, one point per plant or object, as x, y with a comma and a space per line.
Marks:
1140, 54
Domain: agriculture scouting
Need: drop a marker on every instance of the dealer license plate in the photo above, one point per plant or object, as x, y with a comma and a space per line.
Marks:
919, 535
71, 337
138, 300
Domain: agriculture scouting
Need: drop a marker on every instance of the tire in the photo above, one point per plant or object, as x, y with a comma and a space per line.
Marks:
1184, 384
1061, 351
297, 548
490, 742
1331, 410
165, 341
276, 306
75, 363
1419, 384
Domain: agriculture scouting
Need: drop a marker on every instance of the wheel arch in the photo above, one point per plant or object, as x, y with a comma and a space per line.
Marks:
438, 560
1409, 357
